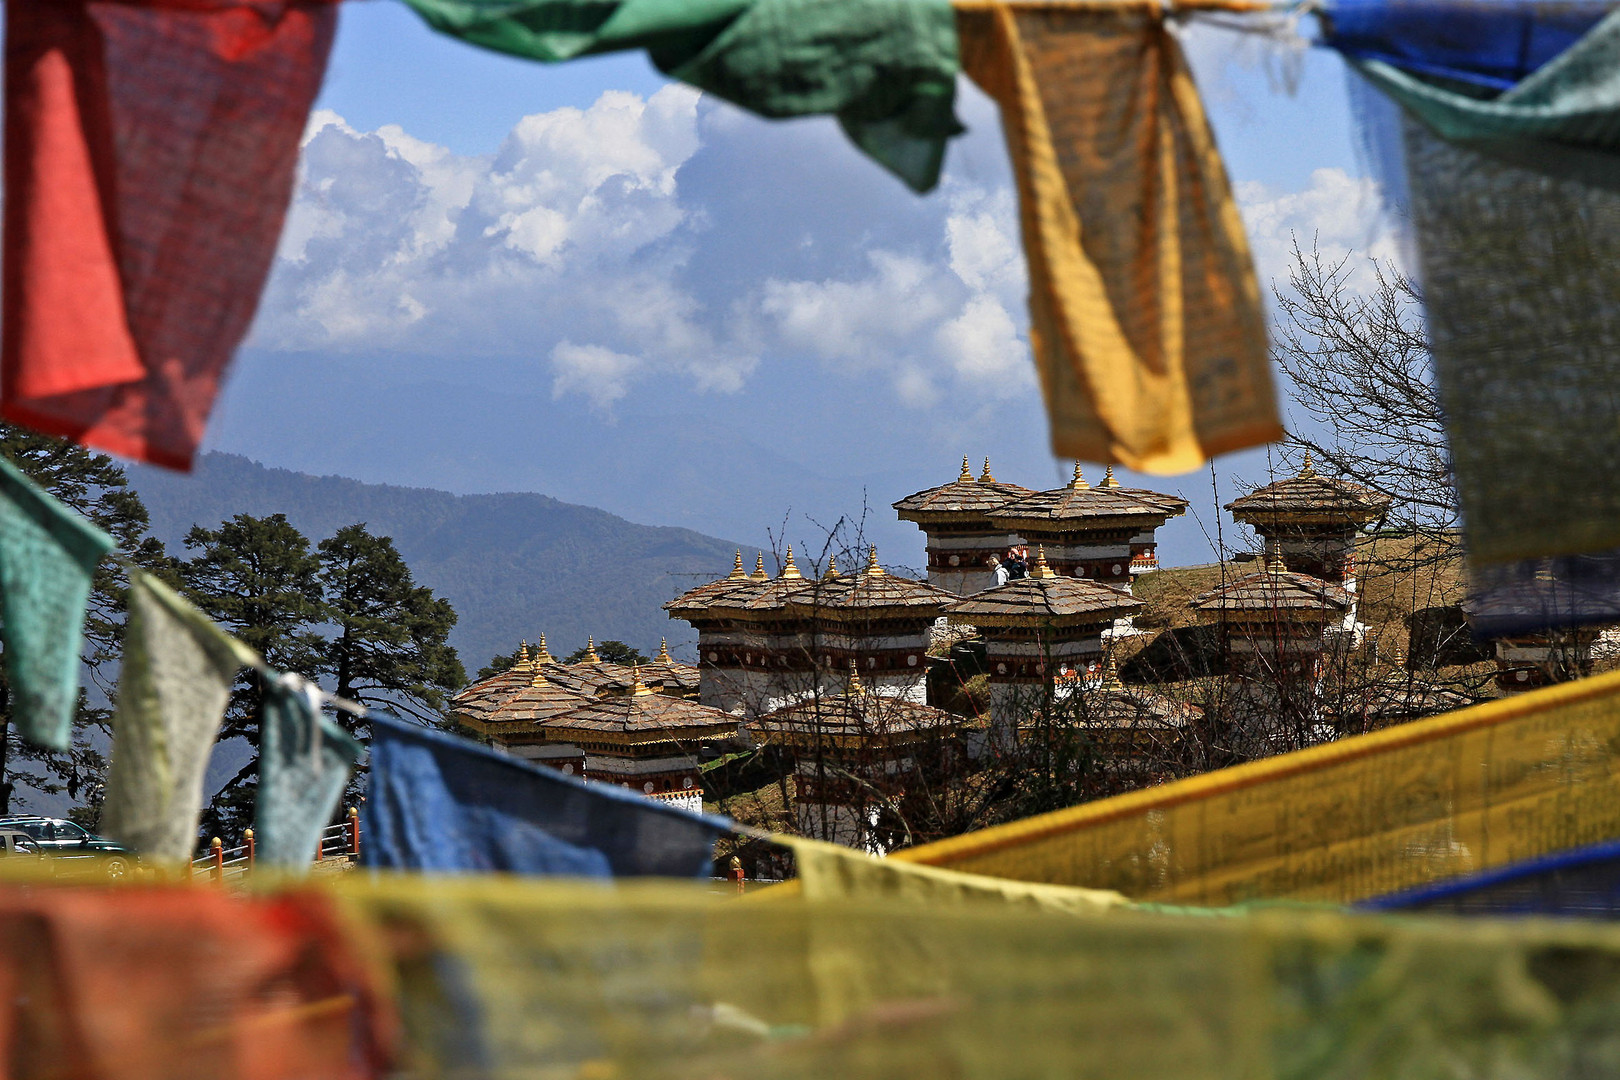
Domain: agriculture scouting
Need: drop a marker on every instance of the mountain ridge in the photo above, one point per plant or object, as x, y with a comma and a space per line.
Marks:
513, 564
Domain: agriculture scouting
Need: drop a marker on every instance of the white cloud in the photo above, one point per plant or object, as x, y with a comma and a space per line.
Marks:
599, 374
1337, 212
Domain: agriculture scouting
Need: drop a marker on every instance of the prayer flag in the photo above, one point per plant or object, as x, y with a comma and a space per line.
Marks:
178, 669
304, 763
1515, 210
150, 155
886, 70
47, 556
1145, 314
440, 803
181, 983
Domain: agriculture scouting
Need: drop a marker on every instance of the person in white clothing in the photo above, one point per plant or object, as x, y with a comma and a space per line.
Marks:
997, 568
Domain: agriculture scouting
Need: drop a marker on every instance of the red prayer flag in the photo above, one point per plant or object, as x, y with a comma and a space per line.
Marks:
151, 149
186, 983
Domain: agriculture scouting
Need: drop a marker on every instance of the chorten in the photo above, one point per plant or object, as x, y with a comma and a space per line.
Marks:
1273, 625
779, 641
1091, 532
1313, 520
1034, 628
853, 752
641, 740
961, 536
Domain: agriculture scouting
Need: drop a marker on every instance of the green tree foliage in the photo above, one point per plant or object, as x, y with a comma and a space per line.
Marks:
391, 646
96, 487
610, 652
257, 578
498, 664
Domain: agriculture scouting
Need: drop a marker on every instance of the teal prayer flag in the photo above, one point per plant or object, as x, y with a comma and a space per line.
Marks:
47, 556
304, 763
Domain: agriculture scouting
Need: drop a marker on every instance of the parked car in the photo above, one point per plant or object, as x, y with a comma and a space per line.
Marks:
59, 838
18, 843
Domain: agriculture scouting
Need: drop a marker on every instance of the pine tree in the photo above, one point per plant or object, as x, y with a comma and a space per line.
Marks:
609, 652
257, 578
93, 485
391, 648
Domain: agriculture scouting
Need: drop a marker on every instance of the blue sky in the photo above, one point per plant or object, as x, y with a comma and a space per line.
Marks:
585, 281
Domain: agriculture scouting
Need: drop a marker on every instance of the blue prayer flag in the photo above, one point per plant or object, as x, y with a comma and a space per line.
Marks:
439, 803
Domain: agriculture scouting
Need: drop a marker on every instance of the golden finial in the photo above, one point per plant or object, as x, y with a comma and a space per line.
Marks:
1108, 480
541, 656
854, 686
1309, 471
1079, 481
759, 573
967, 473
1040, 569
538, 678
737, 571
789, 570
663, 656
590, 651
872, 567
637, 687
523, 657
832, 568
1110, 675
985, 477
1274, 559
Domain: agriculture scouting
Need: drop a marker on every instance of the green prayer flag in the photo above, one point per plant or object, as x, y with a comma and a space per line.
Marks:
1515, 207
885, 68
176, 680
304, 761
47, 555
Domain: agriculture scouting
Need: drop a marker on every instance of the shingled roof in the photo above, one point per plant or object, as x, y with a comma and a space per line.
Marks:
1173, 505
1274, 589
964, 497
1043, 596
540, 700
857, 717
1079, 503
870, 589
641, 716
1310, 496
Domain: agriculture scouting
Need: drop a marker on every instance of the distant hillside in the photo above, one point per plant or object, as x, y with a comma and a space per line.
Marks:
513, 564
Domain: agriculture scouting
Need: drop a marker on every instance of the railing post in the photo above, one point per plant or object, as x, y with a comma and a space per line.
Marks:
217, 870
354, 834
737, 872
320, 842
248, 838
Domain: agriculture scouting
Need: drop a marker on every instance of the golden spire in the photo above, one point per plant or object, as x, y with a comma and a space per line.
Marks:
1110, 675
1309, 471
1274, 559
523, 657
539, 676
759, 573
789, 570
832, 568
854, 687
663, 656
1040, 569
872, 567
985, 477
737, 571
1079, 481
637, 687
967, 473
590, 651
1108, 480
541, 655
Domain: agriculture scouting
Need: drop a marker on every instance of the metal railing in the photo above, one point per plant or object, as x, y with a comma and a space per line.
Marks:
222, 864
